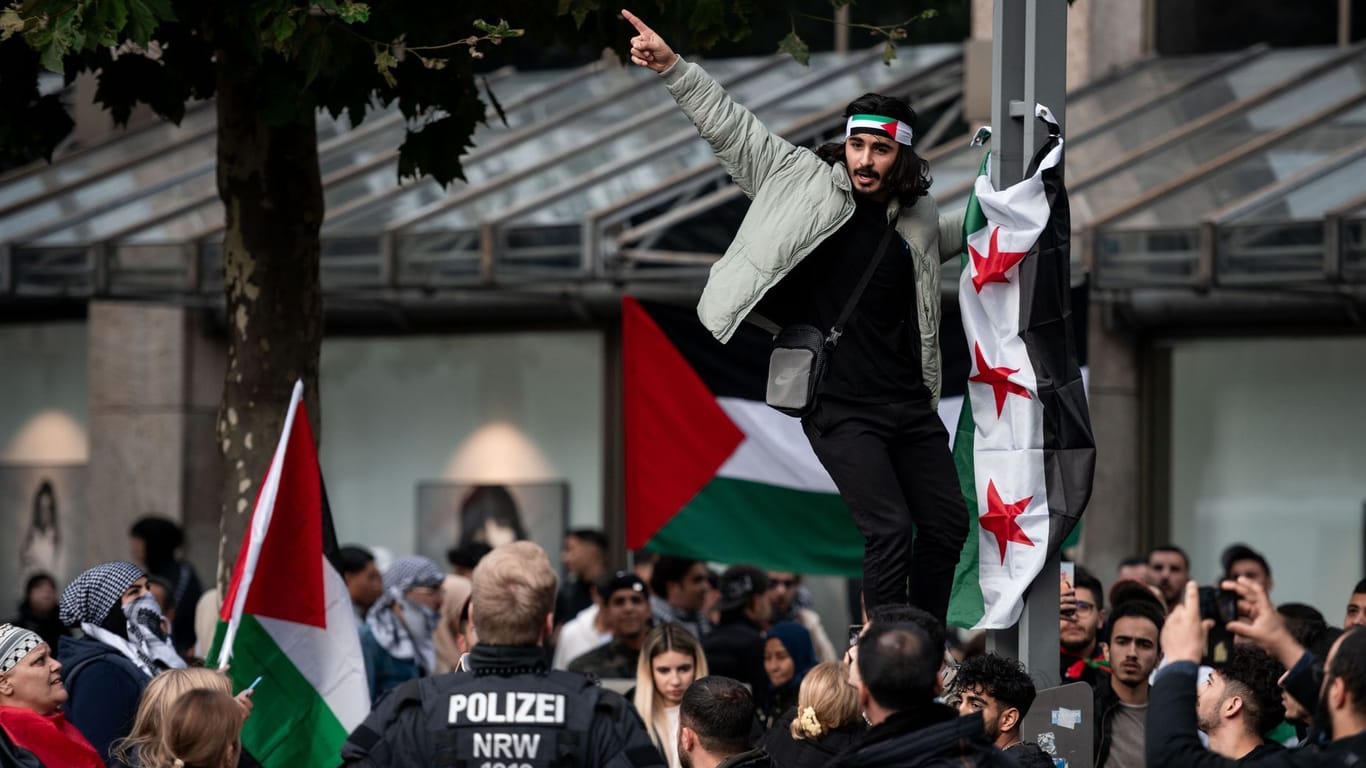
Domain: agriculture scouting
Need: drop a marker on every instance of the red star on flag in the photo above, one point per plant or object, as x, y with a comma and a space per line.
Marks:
1000, 520
998, 378
993, 268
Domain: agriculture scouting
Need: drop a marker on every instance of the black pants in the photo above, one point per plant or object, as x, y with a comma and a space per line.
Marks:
891, 464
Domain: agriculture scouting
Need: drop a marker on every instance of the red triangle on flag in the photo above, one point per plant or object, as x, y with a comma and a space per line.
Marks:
287, 583
677, 436
890, 128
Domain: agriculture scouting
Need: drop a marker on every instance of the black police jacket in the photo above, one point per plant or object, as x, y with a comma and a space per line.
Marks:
510, 712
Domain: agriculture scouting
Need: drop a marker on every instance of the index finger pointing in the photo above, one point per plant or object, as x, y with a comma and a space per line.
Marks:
640, 26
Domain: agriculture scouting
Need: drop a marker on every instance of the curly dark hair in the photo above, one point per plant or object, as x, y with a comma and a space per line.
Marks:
909, 179
1001, 678
1252, 673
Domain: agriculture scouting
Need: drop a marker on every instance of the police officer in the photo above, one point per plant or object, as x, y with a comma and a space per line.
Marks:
511, 710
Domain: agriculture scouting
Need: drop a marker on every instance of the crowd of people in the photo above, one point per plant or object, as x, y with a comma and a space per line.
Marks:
671, 663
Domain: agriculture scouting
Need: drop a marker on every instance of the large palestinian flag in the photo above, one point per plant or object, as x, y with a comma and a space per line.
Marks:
712, 472
1024, 448
287, 616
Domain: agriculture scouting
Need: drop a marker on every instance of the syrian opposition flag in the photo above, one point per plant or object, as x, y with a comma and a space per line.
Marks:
1024, 449
712, 472
287, 617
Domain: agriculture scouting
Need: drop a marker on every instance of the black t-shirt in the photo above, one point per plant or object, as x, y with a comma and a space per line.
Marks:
878, 357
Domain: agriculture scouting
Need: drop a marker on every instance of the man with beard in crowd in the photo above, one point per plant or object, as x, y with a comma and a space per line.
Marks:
782, 599
1169, 569
714, 722
1238, 703
1080, 616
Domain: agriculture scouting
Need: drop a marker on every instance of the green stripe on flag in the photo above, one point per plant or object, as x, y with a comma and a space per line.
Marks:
966, 606
290, 725
731, 521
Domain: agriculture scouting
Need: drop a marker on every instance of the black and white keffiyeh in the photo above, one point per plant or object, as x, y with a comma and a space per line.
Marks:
92, 595
408, 636
15, 644
88, 601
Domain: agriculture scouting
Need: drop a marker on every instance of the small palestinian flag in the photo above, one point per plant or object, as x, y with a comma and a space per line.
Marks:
712, 472
287, 616
1024, 448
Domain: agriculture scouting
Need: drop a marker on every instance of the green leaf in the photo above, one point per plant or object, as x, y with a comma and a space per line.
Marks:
52, 57
385, 63
889, 53
283, 27
795, 47
352, 13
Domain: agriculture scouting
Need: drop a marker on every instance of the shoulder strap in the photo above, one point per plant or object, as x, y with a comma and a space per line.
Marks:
838, 329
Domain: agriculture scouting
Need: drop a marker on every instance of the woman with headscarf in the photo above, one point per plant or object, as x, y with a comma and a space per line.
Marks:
126, 643
397, 638
788, 655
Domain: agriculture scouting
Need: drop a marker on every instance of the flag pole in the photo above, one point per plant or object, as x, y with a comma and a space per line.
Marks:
1029, 67
260, 523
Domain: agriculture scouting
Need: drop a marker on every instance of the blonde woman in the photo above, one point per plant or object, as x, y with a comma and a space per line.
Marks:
670, 660
145, 746
204, 730
824, 723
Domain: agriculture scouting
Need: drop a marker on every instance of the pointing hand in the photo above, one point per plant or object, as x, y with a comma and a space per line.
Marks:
648, 49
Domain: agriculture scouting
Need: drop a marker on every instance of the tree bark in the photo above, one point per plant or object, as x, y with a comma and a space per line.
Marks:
271, 187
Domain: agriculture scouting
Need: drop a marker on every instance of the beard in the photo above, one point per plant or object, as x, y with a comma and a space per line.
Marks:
1077, 646
1323, 717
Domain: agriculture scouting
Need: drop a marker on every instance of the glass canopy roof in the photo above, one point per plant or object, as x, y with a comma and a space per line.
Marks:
1235, 168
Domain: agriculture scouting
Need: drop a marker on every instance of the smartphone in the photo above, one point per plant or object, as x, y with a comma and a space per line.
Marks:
855, 632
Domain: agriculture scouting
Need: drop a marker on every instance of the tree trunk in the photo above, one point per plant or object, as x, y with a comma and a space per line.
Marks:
271, 187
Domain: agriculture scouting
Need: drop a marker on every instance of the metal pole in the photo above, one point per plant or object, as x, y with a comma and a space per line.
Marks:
1029, 66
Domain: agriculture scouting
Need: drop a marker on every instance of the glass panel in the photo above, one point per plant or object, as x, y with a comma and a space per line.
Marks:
1098, 103
150, 268
1270, 252
146, 190
1169, 257
195, 157
53, 271
1094, 200
1190, 104
1311, 200
107, 155
1281, 160
589, 148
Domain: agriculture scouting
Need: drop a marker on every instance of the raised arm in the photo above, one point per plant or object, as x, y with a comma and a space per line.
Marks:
748, 150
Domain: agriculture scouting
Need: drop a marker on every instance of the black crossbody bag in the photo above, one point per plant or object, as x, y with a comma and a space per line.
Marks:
801, 352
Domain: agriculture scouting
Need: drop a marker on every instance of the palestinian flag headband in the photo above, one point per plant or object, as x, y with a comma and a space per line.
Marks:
886, 126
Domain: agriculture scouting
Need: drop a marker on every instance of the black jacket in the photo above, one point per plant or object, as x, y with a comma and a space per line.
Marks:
788, 752
426, 721
103, 688
1028, 755
1172, 738
930, 735
755, 758
611, 660
735, 649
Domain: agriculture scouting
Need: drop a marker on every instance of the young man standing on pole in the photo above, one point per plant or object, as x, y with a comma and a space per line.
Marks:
813, 229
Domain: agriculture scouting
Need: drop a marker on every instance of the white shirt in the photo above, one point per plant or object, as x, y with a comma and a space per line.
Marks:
578, 636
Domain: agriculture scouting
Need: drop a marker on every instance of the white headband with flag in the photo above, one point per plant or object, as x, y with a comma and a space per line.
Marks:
889, 127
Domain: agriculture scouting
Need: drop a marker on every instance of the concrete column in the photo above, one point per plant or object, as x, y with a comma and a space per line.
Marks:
155, 376
1112, 527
